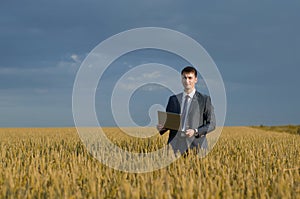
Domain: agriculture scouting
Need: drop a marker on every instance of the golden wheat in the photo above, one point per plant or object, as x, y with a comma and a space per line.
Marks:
53, 163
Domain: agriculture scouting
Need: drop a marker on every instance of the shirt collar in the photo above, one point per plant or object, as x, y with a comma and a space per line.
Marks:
191, 95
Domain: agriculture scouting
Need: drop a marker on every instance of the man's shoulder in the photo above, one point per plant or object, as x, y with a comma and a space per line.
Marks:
201, 96
176, 96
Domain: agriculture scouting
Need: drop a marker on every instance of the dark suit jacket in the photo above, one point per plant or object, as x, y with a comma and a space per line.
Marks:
200, 116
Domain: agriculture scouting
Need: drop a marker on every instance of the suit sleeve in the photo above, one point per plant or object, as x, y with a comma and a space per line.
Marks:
209, 118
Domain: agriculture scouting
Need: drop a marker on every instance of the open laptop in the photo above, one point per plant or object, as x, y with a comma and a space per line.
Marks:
169, 120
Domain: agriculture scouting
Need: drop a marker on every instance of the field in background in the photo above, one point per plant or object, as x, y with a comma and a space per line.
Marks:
294, 129
52, 162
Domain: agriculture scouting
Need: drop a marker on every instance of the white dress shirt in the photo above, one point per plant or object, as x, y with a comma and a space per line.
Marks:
191, 95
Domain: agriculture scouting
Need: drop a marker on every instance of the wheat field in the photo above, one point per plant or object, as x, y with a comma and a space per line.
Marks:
53, 163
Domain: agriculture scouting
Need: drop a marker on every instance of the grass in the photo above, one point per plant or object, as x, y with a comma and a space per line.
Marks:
53, 163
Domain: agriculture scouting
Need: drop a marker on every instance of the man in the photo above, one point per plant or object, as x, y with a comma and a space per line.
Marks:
197, 115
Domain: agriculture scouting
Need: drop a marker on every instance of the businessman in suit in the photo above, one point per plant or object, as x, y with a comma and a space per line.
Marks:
197, 115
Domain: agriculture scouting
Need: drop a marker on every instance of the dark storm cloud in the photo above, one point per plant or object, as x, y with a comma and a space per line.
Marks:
255, 44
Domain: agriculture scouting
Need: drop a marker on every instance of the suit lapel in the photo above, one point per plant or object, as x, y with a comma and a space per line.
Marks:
179, 98
194, 103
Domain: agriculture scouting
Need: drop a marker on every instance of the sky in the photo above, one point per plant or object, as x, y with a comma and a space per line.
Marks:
255, 45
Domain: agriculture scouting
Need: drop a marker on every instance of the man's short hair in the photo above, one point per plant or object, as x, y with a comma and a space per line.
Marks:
189, 69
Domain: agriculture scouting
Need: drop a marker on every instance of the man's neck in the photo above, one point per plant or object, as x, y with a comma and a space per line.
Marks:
188, 91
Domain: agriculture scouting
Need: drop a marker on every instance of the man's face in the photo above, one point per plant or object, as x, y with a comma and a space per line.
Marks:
188, 81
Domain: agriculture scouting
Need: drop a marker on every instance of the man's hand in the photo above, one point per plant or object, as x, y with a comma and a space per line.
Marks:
160, 127
189, 132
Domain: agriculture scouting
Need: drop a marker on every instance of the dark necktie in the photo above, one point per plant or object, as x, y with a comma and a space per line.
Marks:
184, 111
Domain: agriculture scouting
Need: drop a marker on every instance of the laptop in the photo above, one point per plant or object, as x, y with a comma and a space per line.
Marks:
169, 120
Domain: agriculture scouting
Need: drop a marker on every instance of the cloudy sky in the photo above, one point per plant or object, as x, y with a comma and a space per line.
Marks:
255, 45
